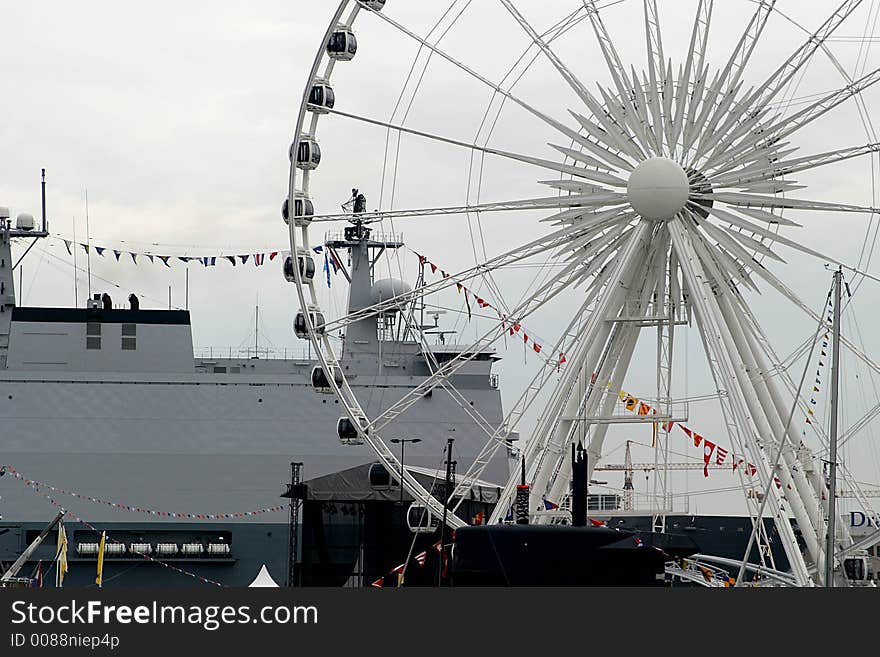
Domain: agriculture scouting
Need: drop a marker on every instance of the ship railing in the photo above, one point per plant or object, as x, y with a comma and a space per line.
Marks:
261, 353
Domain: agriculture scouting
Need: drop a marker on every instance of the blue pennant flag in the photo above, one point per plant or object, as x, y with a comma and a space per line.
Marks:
327, 269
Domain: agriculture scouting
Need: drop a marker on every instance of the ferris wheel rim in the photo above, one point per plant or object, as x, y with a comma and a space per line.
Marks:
323, 361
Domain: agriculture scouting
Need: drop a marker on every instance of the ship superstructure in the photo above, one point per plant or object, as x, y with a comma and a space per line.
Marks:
111, 403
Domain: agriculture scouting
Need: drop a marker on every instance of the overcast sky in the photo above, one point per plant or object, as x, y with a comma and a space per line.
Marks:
176, 117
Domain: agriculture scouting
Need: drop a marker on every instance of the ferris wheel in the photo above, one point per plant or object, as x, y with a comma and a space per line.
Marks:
675, 185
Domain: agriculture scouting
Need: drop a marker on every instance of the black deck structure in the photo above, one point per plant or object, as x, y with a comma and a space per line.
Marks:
354, 528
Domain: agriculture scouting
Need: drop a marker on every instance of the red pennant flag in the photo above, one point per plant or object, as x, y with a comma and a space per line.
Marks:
537, 348
778, 482
379, 583
437, 547
644, 409
433, 267
525, 337
445, 275
708, 448
421, 556
752, 470
511, 330
273, 255
597, 523
459, 286
668, 427
422, 259
562, 359
737, 461
720, 455
517, 327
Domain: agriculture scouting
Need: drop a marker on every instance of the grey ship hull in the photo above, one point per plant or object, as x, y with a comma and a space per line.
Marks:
204, 444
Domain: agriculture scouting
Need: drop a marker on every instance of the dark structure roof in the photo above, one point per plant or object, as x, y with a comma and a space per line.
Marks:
114, 316
371, 482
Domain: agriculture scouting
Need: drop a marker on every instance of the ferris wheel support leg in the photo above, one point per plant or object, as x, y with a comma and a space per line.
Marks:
777, 414
608, 304
714, 331
609, 378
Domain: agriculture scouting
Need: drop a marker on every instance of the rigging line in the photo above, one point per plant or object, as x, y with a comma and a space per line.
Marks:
400, 99
406, 115
412, 545
160, 302
561, 28
780, 448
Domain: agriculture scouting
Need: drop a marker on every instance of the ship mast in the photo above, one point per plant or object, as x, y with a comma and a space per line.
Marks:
830, 547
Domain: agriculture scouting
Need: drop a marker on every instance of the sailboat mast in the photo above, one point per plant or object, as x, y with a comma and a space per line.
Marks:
832, 458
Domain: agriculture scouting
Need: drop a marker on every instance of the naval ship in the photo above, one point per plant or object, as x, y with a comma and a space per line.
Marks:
111, 403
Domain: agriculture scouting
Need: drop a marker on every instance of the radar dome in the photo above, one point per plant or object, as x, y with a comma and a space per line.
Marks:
25, 221
388, 288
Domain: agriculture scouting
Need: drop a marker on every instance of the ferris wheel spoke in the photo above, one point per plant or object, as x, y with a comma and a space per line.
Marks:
568, 132
699, 33
759, 201
589, 197
742, 134
542, 45
608, 136
656, 69
745, 157
739, 222
731, 76
547, 244
609, 52
712, 120
638, 122
784, 74
725, 268
789, 167
597, 176
583, 158
806, 116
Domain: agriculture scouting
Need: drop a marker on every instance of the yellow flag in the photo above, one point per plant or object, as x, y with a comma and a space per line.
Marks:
100, 578
61, 556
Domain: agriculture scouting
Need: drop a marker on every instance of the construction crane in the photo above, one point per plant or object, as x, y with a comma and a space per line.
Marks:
628, 468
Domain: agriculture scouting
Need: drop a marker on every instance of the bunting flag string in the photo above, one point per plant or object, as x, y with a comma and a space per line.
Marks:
710, 449
6, 469
146, 557
515, 327
420, 559
258, 259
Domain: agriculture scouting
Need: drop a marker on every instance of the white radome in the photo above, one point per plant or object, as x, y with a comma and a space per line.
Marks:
388, 288
658, 188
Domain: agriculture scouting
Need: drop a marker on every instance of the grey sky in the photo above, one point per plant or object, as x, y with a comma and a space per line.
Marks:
177, 117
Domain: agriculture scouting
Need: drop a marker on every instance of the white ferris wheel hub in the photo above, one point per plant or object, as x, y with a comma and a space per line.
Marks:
658, 188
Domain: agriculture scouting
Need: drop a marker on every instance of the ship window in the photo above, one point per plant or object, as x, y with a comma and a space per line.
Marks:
129, 330
93, 328
129, 344
93, 343
93, 335
219, 370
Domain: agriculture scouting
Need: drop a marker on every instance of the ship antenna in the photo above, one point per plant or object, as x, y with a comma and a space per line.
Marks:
88, 247
43, 186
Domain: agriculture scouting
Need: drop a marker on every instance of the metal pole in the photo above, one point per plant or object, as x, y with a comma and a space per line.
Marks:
402, 449
446, 491
832, 459
43, 186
